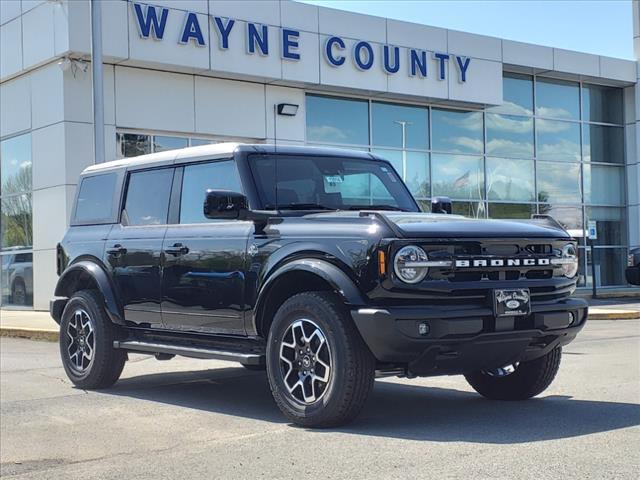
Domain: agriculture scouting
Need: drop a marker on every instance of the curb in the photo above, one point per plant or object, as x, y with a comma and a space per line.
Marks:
616, 315
30, 333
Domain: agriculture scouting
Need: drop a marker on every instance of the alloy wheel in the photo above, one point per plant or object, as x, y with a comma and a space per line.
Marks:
305, 361
81, 337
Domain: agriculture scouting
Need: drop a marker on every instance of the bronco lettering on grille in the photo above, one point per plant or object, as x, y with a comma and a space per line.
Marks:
502, 262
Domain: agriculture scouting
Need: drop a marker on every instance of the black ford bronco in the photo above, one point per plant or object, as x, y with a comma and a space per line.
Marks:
313, 264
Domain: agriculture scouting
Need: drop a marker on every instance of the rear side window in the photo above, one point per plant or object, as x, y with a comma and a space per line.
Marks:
198, 179
148, 194
95, 199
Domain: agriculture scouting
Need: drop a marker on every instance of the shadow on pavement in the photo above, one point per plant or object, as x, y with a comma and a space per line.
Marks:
394, 410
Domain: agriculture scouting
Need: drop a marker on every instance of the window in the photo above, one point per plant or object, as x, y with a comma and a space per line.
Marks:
511, 210
16, 222
458, 176
400, 126
557, 99
337, 120
603, 185
559, 182
95, 203
197, 179
603, 144
162, 143
148, 196
510, 180
413, 167
611, 225
517, 94
457, 131
288, 182
558, 140
133, 144
602, 104
509, 135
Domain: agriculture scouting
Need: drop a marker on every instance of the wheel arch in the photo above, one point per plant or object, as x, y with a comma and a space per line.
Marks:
297, 276
89, 274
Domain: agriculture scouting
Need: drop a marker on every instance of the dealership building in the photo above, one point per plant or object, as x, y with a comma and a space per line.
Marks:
506, 129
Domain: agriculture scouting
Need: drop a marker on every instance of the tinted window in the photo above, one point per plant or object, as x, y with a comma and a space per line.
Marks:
197, 180
602, 104
509, 135
148, 198
306, 183
95, 199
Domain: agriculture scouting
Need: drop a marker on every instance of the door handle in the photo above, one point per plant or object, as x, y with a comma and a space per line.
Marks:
177, 249
116, 250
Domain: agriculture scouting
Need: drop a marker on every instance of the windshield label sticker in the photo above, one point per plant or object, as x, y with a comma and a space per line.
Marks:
333, 179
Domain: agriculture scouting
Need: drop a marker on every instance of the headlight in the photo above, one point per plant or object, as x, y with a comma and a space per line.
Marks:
568, 261
409, 264
630, 260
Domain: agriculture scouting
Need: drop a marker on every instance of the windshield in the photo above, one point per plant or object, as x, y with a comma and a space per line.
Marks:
328, 183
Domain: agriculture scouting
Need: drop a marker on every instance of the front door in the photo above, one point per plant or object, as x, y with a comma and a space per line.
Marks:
133, 248
204, 261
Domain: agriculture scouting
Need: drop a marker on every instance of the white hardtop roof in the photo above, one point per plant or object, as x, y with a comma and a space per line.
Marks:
214, 150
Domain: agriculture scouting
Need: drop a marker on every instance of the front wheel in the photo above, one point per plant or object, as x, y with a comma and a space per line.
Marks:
517, 382
86, 343
320, 370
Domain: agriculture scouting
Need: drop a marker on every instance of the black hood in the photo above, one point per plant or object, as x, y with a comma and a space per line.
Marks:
423, 225
429, 225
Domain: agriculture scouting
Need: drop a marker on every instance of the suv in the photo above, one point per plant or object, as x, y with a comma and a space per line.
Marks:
313, 264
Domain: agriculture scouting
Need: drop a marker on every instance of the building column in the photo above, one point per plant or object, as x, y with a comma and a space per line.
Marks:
633, 128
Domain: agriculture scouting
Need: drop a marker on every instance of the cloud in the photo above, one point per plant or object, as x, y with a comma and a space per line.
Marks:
326, 133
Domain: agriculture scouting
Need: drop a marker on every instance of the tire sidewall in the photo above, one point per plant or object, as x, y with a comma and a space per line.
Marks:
323, 317
80, 301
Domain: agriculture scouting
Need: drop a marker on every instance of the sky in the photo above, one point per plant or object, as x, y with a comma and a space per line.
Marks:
603, 27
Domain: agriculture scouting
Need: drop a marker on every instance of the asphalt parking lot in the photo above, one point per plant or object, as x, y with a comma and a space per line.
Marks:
184, 419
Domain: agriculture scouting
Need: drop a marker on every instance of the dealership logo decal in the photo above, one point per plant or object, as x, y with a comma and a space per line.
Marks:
151, 22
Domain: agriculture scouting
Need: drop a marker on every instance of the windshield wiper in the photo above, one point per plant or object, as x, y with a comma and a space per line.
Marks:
376, 207
303, 206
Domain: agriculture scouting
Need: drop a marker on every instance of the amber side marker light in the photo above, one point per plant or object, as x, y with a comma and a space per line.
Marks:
382, 263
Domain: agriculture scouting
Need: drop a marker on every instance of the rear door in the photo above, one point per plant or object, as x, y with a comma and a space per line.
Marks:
204, 260
134, 246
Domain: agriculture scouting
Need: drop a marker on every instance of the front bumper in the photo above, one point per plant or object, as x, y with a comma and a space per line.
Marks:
461, 340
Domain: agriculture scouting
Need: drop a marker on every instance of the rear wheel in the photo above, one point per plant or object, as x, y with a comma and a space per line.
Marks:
517, 382
319, 368
86, 343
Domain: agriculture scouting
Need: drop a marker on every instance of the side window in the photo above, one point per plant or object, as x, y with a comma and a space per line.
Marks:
148, 196
95, 199
197, 179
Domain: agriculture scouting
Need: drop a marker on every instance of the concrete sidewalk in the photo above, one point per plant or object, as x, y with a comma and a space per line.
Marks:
40, 326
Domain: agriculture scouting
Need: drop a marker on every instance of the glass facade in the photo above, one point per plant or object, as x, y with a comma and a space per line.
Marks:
553, 147
134, 144
16, 222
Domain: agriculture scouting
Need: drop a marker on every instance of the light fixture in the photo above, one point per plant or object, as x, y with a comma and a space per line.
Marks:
287, 109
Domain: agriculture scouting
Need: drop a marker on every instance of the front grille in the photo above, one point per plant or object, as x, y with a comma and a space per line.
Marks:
474, 284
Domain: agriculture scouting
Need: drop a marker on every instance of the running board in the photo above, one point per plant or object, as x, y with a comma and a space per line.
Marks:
193, 352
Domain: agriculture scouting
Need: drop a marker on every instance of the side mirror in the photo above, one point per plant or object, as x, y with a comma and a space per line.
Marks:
222, 204
441, 205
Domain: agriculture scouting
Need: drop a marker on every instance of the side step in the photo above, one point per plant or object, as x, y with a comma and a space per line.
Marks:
193, 352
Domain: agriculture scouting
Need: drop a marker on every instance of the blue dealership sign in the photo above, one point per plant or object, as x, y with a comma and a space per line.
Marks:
151, 22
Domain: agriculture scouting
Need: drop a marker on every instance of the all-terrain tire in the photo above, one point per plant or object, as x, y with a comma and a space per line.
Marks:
528, 380
106, 363
352, 365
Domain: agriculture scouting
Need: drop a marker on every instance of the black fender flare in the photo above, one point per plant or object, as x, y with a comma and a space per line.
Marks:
327, 271
69, 278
